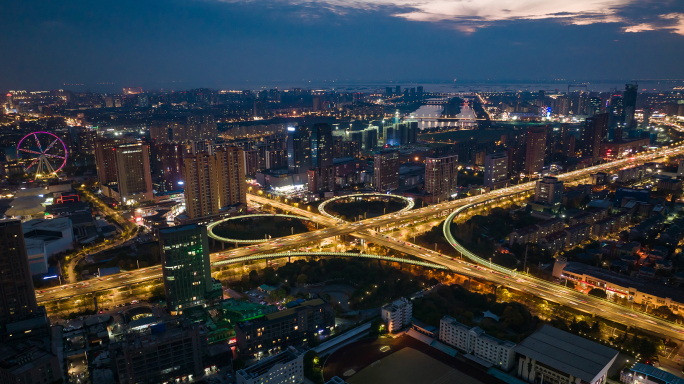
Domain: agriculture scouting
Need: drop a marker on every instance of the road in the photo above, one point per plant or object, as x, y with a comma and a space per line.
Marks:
368, 230
125, 236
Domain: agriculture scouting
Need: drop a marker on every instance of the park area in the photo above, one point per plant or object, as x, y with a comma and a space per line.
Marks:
257, 228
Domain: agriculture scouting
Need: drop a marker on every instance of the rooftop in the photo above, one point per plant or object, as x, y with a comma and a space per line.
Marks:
647, 370
291, 311
568, 353
649, 287
263, 366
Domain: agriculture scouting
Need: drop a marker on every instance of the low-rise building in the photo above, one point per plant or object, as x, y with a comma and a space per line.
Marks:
610, 225
475, 341
27, 363
645, 374
635, 289
554, 356
532, 233
278, 330
397, 314
165, 353
576, 234
286, 367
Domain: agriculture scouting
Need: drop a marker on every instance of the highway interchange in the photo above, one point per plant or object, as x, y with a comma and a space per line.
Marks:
368, 230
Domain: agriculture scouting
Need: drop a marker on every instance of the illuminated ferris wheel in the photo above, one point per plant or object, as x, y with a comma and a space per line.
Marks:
43, 152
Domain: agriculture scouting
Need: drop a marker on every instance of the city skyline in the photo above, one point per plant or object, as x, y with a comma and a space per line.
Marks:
223, 43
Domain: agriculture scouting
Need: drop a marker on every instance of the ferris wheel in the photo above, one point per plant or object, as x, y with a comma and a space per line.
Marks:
45, 154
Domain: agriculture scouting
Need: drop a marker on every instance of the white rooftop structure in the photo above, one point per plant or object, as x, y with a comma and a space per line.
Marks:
576, 357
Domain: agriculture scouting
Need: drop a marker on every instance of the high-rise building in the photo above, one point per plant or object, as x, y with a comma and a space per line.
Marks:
496, 170
86, 141
536, 150
369, 138
629, 105
167, 165
594, 106
298, 149
646, 118
17, 295
548, 191
386, 170
105, 159
214, 181
441, 176
134, 179
186, 266
321, 146
321, 179
595, 129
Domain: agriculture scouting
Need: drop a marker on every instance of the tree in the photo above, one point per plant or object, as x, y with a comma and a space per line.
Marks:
597, 292
512, 316
663, 311
301, 279
378, 327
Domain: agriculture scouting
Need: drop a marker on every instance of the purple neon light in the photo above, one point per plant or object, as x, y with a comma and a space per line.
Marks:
41, 149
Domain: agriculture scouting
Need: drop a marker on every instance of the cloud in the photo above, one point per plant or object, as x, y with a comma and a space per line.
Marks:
470, 15
673, 22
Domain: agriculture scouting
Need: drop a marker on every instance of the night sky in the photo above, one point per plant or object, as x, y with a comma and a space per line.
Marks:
194, 43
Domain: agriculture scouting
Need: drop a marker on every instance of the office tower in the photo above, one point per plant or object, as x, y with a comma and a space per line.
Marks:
17, 295
536, 150
548, 191
595, 129
321, 146
496, 170
629, 106
420, 91
316, 103
398, 90
214, 181
134, 180
259, 110
441, 176
386, 170
160, 355
167, 166
388, 91
105, 159
298, 149
186, 266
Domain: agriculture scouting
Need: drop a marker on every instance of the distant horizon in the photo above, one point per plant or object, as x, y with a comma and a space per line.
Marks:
645, 85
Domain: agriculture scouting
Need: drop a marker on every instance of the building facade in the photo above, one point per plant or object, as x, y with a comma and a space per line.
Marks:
475, 341
214, 181
286, 367
386, 171
397, 314
496, 170
548, 191
17, 295
535, 150
441, 176
186, 266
